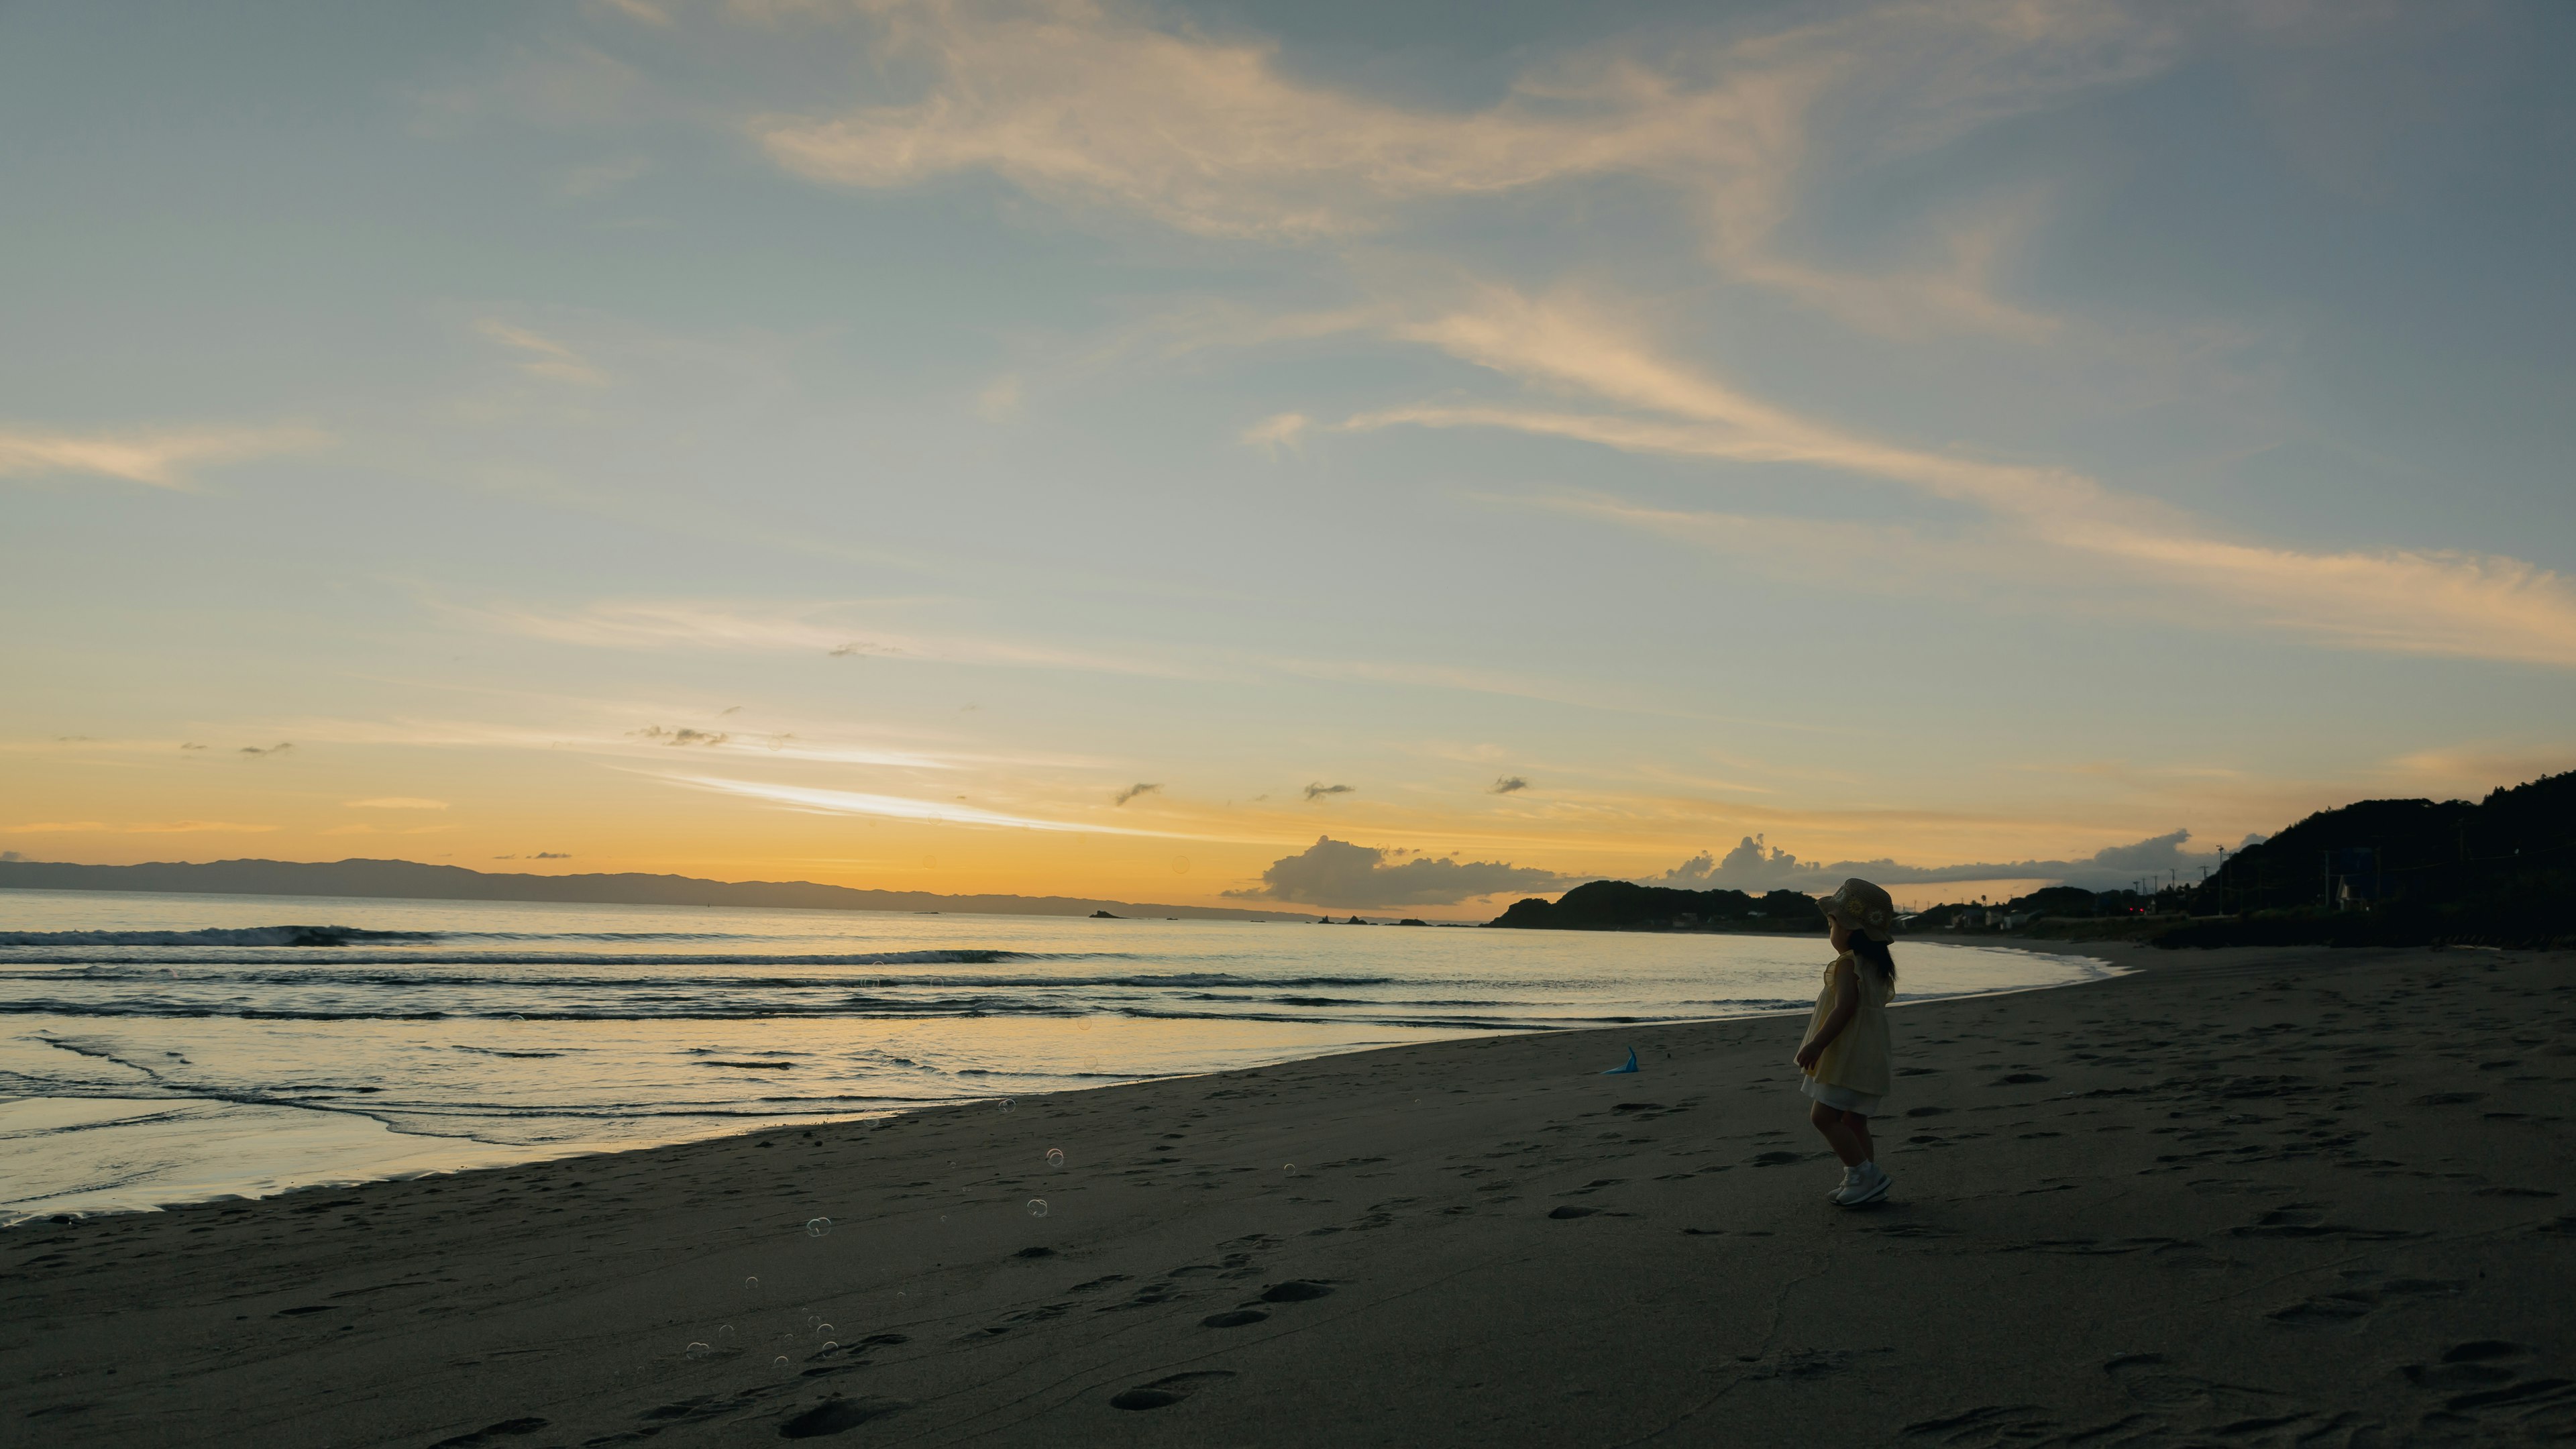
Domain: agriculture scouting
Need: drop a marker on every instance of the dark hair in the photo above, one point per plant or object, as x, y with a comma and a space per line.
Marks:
1874, 954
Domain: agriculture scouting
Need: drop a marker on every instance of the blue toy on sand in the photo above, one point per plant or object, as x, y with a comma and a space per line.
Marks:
1629, 1066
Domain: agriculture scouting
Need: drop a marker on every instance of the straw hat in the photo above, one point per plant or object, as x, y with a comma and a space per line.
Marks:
1864, 908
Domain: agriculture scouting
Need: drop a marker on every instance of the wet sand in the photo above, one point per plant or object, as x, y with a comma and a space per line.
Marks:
2241, 1197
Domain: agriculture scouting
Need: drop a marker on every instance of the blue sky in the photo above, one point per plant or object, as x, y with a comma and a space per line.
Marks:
1954, 434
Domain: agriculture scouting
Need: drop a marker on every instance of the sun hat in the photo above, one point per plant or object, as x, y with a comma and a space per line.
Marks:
1863, 907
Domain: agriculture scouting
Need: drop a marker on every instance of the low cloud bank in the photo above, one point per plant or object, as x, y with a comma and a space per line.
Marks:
1755, 866
1337, 873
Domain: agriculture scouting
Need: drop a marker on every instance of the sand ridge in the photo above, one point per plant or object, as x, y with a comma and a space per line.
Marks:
2238, 1197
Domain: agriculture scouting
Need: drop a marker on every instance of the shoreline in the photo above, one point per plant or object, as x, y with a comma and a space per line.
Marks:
416, 1156
2290, 1195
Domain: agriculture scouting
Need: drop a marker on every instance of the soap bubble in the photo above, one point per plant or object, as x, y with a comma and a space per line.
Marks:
822, 1330
724, 1334
812, 1318
1289, 1169
1037, 1207
514, 1016
779, 1362
752, 1283
1006, 1104
817, 1227
699, 1350
828, 1346
1055, 1157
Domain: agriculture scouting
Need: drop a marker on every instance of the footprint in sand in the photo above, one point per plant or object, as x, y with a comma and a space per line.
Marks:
491, 1434
836, 1416
1167, 1391
1295, 1290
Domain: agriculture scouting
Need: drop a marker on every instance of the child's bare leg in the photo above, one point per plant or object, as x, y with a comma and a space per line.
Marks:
1853, 1151
1858, 1126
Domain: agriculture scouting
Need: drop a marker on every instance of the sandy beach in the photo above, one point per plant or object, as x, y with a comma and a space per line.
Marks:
2236, 1197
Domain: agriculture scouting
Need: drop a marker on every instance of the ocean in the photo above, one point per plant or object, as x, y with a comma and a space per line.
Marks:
157, 1049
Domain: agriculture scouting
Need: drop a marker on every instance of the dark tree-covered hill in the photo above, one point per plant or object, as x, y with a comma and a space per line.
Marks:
1619, 905
2399, 871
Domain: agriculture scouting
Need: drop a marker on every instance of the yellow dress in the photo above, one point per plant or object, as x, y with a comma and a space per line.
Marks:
1856, 1060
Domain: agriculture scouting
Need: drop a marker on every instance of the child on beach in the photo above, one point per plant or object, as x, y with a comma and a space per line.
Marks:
1845, 1052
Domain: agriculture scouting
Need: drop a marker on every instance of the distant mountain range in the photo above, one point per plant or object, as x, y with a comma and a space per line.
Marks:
412, 881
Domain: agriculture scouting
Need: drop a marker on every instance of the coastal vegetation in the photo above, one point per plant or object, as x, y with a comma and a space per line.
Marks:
1619, 905
2499, 871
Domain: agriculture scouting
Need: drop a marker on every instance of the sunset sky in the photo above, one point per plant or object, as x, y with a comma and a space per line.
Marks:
1109, 449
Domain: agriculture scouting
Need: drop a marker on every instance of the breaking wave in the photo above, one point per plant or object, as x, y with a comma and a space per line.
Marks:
236, 936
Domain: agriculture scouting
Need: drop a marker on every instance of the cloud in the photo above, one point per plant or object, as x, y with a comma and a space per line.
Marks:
162, 827
11, 855
161, 458
1319, 790
191, 745
848, 802
682, 736
1336, 873
1132, 791
999, 402
1274, 435
1508, 785
602, 179
666, 624
1098, 105
395, 802
550, 855
642, 12
1755, 866
542, 356
2404, 601
255, 751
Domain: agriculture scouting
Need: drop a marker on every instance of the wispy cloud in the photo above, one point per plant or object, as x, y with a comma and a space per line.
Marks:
642, 12
1104, 105
1132, 791
1321, 791
1275, 435
894, 807
1508, 785
160, 827
999, 402
163, 458
664, 624
603, 178
2400, 600
542, 356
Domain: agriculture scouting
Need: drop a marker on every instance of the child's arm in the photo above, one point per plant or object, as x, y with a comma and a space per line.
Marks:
1846, 1006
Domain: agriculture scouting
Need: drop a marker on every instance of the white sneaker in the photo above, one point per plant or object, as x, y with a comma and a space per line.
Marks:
1870, 1183
1851, 1179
